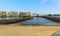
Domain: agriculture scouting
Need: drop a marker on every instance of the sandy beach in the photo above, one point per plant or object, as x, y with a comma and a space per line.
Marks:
27, 30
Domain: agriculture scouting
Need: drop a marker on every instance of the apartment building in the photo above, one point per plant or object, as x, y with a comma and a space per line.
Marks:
34, 14
24, 14
12, 13
3, 13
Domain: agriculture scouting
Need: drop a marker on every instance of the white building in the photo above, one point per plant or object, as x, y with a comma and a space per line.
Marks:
2, 13
12, 13
34, 14
24, 14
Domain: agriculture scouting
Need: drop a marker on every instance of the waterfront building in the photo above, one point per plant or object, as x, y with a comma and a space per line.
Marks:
40, 14
12, 13
3, 13
45, 14
24, 14
34, 14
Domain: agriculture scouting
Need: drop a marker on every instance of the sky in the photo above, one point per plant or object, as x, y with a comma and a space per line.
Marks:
33, 6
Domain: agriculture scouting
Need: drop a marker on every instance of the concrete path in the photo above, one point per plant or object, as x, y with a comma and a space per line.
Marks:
57, 33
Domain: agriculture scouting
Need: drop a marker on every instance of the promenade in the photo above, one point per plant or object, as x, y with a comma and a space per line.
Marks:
27, 30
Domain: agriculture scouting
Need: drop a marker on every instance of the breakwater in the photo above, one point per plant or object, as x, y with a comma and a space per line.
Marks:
8, 21
52, 18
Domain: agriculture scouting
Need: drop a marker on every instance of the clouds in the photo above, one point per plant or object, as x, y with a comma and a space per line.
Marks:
50, 6
43, 1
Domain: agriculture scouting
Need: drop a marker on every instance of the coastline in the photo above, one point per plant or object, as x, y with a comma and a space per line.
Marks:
29, 30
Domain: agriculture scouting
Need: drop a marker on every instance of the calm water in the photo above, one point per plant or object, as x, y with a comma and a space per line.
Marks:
39, 21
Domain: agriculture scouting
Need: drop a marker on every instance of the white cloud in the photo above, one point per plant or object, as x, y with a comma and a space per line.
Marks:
43, 1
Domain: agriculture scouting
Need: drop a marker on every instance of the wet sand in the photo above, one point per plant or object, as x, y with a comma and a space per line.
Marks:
29, 30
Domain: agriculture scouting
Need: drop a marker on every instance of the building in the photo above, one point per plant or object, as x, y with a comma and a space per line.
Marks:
34, 14
41, 15
24, 14
3, 13
12, 13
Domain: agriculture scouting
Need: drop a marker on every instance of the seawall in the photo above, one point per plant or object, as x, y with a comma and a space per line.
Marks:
53, 19
14, 20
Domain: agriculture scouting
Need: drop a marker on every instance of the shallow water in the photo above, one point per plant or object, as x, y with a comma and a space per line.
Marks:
39, 21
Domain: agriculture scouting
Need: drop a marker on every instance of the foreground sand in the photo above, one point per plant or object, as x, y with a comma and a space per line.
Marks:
29, 30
